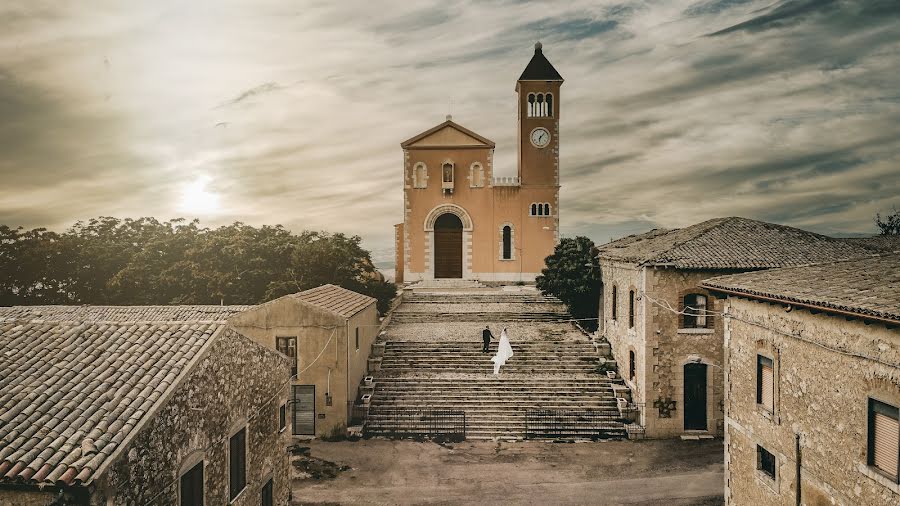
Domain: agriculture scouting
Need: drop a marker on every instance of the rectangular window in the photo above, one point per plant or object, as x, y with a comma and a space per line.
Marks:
696, 312
237, 463
288, 346
267, 498
357, 338
630, 308
192, 486
614, 303
884, 438
282, 417
765, 382
765, 462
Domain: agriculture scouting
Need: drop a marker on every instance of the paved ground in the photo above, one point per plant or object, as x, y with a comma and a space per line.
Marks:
666, 473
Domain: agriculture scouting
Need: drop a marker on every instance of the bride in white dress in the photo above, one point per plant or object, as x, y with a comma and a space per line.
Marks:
504, 352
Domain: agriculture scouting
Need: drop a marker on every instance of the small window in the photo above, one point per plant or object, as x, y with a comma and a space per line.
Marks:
357, 338
884, 438
420, 173
192, 486
531, 107
631, 365
267, 495
615, 303
630, 308
282, 417
288, 346
549, 105
534, 209
765, 462
546, 209
765, 382
696, 314
507, 242
237, 463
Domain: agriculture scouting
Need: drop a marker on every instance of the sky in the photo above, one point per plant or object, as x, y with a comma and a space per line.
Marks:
291, 112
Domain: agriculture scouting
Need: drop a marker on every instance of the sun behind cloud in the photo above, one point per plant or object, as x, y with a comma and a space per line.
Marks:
197, 199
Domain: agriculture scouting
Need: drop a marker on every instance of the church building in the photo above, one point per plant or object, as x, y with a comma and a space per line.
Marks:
459, 220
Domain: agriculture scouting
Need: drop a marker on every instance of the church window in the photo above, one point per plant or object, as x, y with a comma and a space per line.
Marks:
420, 176
531, 105
534, 209
546, 209
476, 175
541, 106
549, 105
507, 242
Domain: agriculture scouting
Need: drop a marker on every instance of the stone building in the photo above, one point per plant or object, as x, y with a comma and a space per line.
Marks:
328, 332
459, 220
664, 327
139, 405
813, 374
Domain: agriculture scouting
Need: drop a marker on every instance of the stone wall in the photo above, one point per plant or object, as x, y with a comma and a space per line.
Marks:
235, 383
820, 394
660, 346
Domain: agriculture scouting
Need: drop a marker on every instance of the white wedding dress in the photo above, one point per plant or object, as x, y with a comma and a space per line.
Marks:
504, 352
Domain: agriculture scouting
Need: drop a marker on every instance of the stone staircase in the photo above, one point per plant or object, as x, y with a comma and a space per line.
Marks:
552, 374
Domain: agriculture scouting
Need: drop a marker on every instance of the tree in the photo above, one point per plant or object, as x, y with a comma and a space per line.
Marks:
890, 225
145, 261
573, 275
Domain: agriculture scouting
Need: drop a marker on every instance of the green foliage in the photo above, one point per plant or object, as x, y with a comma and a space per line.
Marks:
144, 261
573, 275
890, 225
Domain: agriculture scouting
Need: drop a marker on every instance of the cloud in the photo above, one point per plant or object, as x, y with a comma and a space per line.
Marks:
788, 112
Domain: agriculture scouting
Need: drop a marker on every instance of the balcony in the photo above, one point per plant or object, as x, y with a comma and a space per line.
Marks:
506, 181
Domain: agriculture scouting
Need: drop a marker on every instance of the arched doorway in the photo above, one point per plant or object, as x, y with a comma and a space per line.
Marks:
695, 397
448, 254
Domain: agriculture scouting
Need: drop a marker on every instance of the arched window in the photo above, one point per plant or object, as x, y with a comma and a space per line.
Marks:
541, 106
534, 209
696, 313
546, 209
476, 175
549, 105
531, 105
420, 175
630, 308
615, 303
507, 242
631, 364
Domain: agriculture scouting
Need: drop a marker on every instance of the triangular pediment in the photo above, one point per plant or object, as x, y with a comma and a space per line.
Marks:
448, 135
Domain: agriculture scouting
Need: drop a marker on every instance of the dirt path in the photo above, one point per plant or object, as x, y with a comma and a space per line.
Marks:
621, 472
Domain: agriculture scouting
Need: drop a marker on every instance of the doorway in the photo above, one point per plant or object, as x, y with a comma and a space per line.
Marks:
303, 410
695, 397
448, 254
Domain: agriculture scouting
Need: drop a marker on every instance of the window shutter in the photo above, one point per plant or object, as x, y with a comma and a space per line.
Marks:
767, 376
887, 441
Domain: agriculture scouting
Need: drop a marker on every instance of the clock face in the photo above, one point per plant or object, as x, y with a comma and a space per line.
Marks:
540, 137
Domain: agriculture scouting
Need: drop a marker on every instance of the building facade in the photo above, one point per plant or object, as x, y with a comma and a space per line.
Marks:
664, 327
459, 220
813, 374
327, 333
135, 412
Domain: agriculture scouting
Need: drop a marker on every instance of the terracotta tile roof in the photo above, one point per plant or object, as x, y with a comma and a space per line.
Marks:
72, 392
122, 313
881, 243
730, 243
337, 300
868, 286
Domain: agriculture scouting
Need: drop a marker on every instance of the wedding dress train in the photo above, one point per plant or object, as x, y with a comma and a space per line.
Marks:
504, 352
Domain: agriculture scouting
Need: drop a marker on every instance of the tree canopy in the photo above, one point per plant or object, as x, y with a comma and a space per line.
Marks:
145, 261
573, 275
890, 224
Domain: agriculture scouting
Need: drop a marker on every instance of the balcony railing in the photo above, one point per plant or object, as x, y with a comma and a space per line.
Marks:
507, 181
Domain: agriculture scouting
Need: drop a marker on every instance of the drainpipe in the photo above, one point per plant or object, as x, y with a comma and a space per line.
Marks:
797, 453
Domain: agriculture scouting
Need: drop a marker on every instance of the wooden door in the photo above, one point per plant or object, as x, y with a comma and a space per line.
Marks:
304, 410
448, 258
695, 397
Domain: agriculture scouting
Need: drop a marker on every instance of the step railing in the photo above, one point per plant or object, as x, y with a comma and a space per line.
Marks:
585, 423
420, 424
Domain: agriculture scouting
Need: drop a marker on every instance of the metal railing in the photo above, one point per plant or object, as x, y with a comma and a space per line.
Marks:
449, 424
585, 423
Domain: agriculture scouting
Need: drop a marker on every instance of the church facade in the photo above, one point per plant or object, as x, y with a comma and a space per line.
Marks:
460, 221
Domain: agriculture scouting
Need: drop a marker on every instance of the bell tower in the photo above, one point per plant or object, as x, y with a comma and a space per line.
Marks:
539, 109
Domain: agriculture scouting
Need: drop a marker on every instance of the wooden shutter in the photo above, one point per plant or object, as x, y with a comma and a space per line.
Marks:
886, 431
192, 486
767, 377
237, 477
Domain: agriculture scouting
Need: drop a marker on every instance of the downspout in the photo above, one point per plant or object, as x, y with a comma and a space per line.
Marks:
797, 453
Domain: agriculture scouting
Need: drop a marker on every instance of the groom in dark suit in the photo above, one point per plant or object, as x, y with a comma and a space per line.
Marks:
486, 337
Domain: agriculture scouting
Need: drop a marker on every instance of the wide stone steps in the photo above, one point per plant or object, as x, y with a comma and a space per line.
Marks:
410, 317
